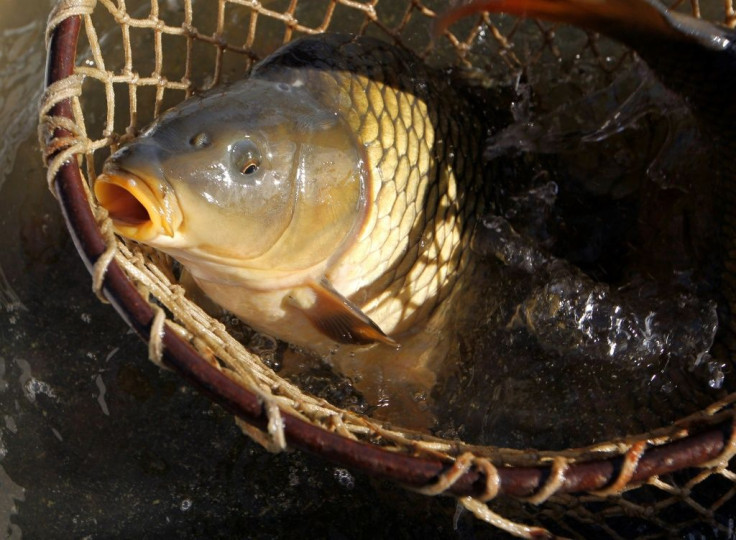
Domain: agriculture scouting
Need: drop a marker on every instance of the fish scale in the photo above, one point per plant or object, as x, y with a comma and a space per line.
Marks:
408, 117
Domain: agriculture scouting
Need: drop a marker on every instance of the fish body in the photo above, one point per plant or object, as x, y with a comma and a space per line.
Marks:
326, 199
692, 57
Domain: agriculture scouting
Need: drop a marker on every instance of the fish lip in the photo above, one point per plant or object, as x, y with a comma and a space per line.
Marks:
137, 210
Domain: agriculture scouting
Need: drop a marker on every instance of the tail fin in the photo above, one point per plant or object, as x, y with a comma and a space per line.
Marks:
630, 21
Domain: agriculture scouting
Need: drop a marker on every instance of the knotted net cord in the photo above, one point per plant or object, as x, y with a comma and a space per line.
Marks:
68, 140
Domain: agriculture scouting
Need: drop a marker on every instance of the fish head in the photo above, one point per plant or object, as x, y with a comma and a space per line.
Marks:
259, 177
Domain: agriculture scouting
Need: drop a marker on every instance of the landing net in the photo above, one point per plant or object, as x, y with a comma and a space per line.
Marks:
134, 60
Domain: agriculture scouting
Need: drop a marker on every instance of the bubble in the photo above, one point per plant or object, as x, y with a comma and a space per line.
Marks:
344, 478
717, 376
33, 387
294, 478
383, 401
263, 344
186, 504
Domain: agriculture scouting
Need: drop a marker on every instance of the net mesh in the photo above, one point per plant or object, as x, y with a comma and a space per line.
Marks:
135, 60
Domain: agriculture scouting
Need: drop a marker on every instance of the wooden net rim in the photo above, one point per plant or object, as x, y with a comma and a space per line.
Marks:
702, 442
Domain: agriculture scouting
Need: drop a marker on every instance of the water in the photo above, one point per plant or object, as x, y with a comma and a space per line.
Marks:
597, 318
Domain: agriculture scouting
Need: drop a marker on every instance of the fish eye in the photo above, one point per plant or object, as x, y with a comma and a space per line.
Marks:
250, 167
246, 157
200, 140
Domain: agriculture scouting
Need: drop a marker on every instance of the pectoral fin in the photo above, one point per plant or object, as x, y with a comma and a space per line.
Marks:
337, 317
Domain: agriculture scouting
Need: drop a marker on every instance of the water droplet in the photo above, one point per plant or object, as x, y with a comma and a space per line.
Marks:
111, 354
459, 510
10, 424
294, 478
101, 396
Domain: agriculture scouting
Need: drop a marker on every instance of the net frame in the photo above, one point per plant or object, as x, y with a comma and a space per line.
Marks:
274, 412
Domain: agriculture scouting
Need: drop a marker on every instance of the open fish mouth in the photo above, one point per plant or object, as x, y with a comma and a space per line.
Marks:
135, 209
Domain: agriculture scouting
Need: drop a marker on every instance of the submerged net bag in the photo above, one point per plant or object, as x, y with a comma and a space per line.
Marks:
113, 66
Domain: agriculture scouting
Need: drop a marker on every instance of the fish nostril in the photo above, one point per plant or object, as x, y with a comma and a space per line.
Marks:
121, 204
